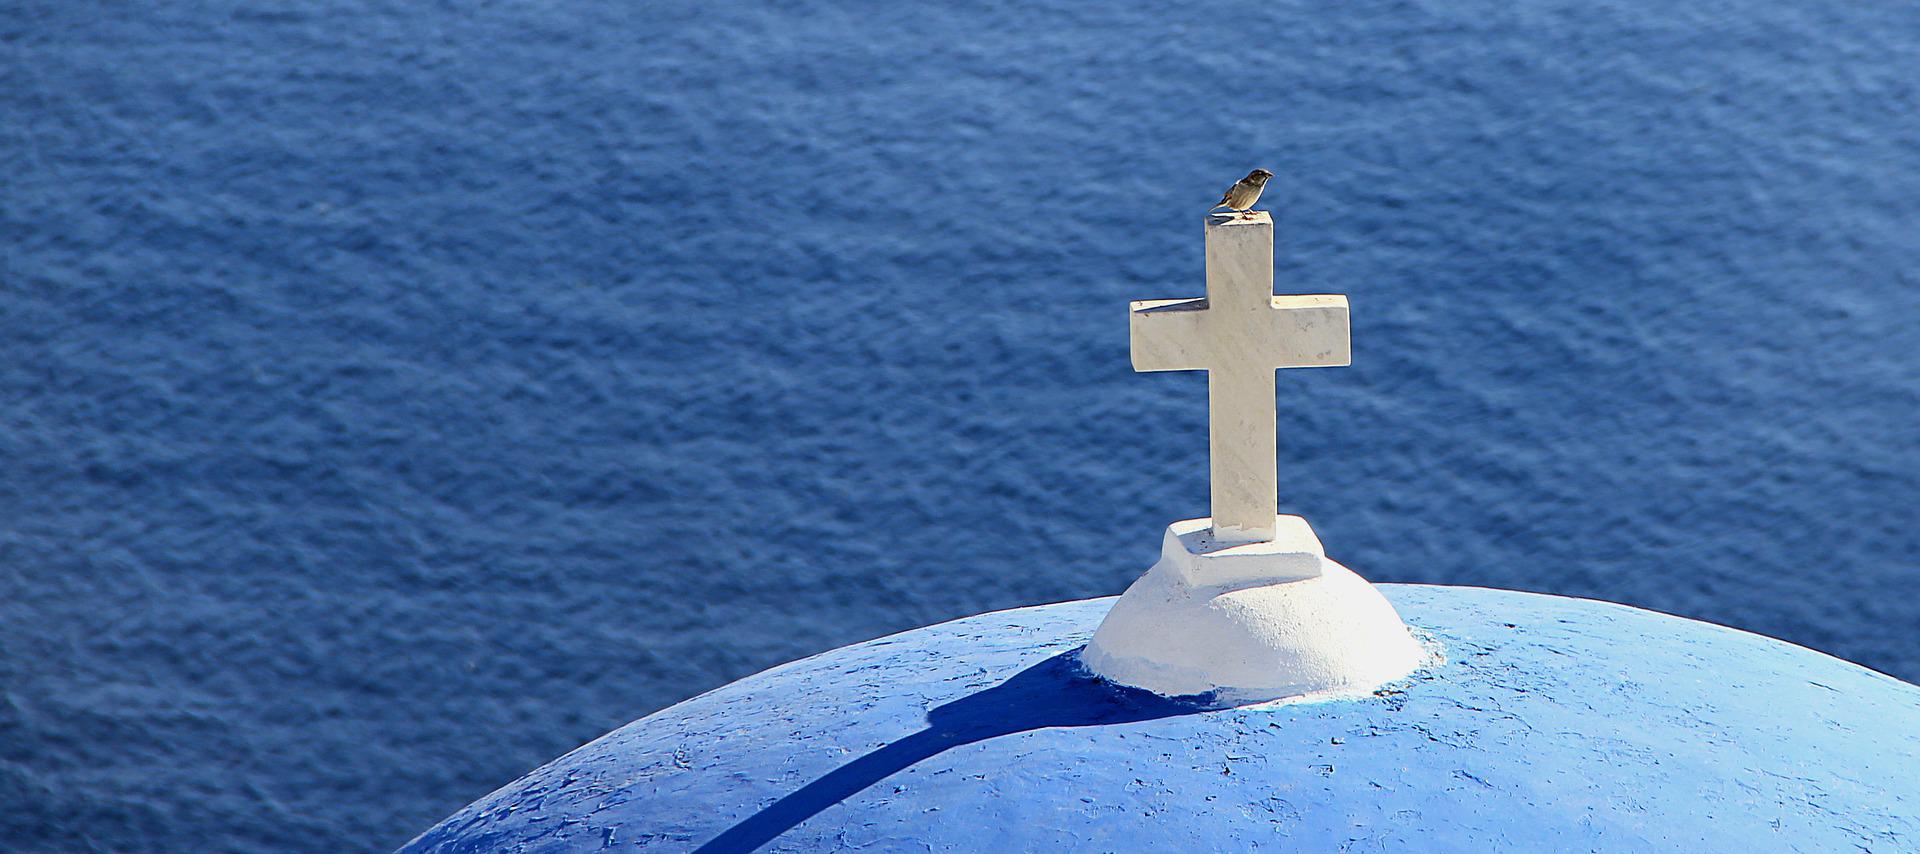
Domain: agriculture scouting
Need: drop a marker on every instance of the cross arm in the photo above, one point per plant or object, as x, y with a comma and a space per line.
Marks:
1291, 331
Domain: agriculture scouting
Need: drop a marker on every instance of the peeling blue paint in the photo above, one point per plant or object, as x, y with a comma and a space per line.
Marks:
1553, 724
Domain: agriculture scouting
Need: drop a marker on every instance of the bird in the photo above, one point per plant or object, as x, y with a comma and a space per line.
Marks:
1242, 195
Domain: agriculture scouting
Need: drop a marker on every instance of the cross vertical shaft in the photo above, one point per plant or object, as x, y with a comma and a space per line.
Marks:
1241, 450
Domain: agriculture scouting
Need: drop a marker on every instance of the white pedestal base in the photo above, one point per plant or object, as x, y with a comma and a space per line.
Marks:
1250, 622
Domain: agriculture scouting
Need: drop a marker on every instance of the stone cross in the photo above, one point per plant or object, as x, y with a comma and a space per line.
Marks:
1240, 333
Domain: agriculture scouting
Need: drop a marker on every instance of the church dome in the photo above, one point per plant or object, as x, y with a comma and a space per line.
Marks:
1537, 723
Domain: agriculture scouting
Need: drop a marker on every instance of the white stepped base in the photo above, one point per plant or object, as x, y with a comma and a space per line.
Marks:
1252, 622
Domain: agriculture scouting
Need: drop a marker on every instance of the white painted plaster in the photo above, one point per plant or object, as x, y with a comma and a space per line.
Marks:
1200, 559
1244, 604
1250, 623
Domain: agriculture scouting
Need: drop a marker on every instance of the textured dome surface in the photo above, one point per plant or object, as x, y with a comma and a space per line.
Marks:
1551, 724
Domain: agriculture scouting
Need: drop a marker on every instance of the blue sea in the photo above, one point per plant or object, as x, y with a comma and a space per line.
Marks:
397, 394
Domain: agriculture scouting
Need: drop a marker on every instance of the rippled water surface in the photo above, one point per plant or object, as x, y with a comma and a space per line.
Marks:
394, 395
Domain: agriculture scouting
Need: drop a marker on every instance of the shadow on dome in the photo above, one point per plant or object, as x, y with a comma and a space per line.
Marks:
1057, 692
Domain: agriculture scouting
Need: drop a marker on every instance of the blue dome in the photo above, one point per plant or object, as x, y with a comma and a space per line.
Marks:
1553, 724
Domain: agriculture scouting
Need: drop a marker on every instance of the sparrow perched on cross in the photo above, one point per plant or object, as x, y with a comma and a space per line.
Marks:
1241, 196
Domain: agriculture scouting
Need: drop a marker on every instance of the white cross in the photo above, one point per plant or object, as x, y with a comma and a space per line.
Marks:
1240, 334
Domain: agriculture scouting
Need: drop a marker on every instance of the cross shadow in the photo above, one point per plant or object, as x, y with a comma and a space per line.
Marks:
1057, 692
